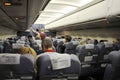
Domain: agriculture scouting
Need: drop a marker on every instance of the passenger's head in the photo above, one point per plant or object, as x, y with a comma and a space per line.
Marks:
42, 35
47, 44
29, 36
37, 30
118, 39
28, 50
68, 38
95, 41
62, 37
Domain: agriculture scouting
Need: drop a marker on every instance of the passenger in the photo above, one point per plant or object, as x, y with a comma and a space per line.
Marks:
87, 40
116, 44
47, 45
66, 44
118, 40
28, 50
95, 41
101, 41
30, 39
37, 33
42, 35
61, 47
68, 38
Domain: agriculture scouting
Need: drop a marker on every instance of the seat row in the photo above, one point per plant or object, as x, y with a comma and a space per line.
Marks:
21, 67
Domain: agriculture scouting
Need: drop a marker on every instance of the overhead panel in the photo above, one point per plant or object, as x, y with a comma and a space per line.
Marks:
22, 13
57, 9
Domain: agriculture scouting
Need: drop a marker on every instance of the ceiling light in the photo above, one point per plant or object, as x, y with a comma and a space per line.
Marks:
57, 9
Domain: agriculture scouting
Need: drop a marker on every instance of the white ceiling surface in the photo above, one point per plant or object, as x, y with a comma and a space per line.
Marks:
57, 9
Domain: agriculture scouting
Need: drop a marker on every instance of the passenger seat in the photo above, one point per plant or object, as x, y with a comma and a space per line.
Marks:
16, 67
46, 70
112, 71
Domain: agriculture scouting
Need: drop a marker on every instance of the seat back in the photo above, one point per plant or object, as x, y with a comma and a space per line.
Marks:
88, 55
55, 43
112, 71
90, 42
105, 48
114, 57
71, 47
16, 66
101, 57
1, 46
46, 71
116, 46
60, 47
7, 47
108, 75
36, 47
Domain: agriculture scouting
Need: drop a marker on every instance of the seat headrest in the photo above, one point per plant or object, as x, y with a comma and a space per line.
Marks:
17, 46
90, 42
1, 43
108, 44
79, 47
59, 61
100, 45
23, 38
20, 42
60, 40
75, 42
44, 65
10, 59
89, 46
114, 57
38, 42
69, 45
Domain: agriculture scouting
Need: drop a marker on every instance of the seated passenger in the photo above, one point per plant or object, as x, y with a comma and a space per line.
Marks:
31, 40
116, 44
28, 50
47, 45
95, 41
51, 64
68, 38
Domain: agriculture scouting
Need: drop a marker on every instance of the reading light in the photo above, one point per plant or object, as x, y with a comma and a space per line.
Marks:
16, 18
7, 4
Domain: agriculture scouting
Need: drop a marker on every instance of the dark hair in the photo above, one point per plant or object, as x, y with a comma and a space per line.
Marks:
103, 40
118, 39
68, 38
95, 41
29, 36
62, 37
37, 30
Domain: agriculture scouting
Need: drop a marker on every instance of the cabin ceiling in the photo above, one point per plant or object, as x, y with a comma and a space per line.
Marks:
57, 9
20, 14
